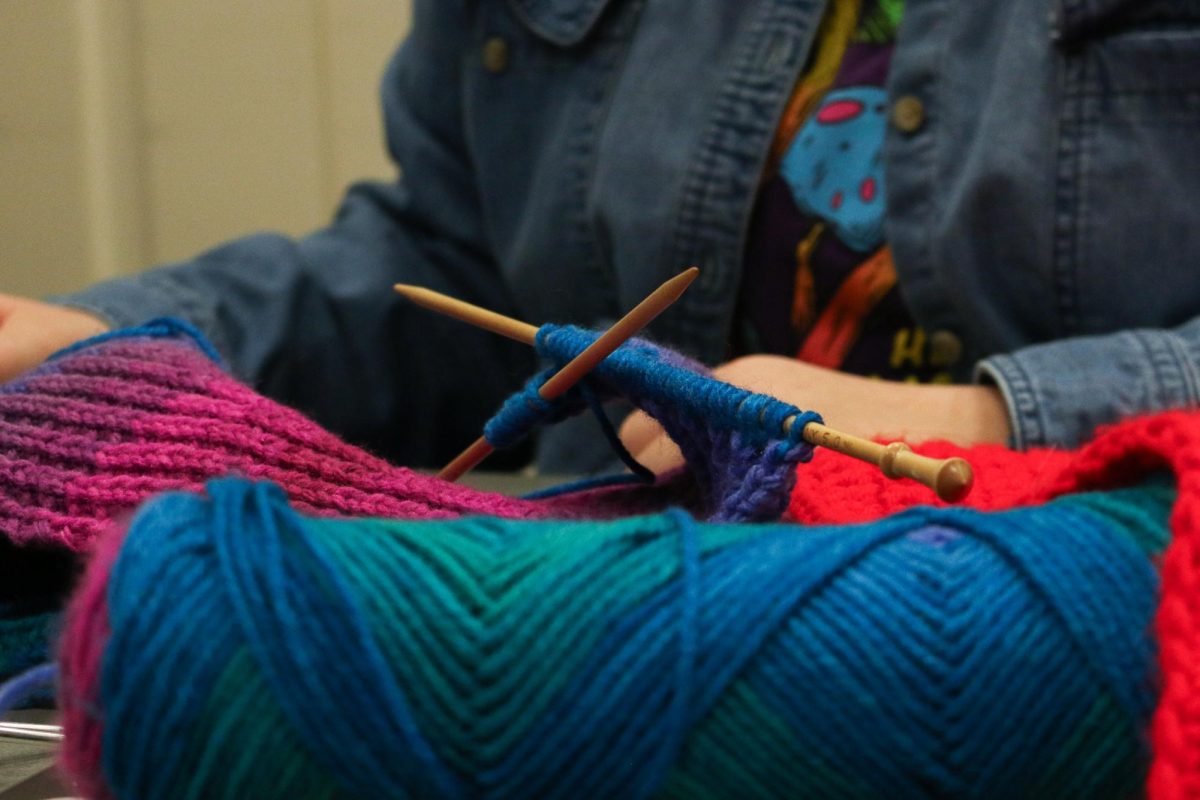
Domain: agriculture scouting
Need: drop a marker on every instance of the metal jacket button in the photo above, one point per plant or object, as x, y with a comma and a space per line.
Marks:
908, 113
495, 54
945, 348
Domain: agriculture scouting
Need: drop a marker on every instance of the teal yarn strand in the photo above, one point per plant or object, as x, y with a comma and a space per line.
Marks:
255, 652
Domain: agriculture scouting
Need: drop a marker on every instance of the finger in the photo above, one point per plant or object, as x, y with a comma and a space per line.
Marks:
19, 348
660, 455
30, 331
638, 430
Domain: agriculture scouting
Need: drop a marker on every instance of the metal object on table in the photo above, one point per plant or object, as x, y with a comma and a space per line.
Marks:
27, 766
31, 731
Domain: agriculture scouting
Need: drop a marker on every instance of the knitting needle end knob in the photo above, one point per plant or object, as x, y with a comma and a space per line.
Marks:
953, 480
950, 478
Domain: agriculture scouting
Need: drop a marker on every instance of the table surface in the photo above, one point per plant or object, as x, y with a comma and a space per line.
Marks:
27, 770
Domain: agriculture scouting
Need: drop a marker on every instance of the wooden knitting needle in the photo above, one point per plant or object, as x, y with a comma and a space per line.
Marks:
474, 315
574, 370
951, 478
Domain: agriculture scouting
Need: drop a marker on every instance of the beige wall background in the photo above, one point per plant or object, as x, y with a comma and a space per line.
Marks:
136, 132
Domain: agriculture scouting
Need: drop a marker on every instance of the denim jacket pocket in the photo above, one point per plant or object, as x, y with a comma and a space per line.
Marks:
1126, 234
560, 22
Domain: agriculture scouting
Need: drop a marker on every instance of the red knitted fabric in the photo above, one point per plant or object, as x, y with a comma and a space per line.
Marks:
840, 490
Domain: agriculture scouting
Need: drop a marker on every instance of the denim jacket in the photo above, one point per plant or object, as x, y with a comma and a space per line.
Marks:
562, 157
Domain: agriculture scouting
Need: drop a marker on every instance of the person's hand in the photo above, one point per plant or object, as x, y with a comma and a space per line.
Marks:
866, 407
31, 330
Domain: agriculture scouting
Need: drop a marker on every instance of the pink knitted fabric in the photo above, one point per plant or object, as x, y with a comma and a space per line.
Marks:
97, 430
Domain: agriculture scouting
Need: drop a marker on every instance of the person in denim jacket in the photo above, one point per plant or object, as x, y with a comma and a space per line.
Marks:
1040, 164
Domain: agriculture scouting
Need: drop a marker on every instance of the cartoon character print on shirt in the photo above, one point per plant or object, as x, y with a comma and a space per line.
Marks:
834, 167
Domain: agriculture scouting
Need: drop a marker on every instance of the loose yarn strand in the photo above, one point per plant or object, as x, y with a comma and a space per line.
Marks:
19, 689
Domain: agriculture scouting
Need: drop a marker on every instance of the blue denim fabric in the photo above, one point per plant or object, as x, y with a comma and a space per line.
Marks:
1043, 211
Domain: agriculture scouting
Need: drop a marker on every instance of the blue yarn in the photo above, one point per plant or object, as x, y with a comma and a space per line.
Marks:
731, 438
639, 470
645, 374
158, 328
582, 485
17, 691
781, 572
940, 652
527, 409
297, 616
678, 719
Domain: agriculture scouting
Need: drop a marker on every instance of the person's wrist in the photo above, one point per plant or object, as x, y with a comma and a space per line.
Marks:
85, 322
983, 415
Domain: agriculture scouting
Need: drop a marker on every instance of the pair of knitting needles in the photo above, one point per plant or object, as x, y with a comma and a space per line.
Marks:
950, 478
31, 731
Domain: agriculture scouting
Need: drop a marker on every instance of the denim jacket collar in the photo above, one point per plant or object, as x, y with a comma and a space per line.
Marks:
561, 22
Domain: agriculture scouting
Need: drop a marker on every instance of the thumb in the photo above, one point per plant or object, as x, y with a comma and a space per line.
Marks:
638, 430
645, 438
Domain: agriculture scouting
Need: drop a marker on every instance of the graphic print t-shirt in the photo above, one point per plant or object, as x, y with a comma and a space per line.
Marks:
818, 283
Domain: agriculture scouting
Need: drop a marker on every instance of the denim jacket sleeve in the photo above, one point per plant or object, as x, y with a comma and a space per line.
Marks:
1058, 393
314, 322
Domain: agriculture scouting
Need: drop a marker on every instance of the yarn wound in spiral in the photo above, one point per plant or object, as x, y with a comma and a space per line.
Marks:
941, 652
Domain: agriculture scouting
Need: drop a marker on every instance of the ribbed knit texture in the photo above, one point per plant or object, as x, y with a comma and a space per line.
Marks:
101, 427
943, 653
110, 422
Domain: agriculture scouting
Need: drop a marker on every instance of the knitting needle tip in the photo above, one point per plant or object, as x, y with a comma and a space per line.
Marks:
950, 478
471, 314
954, 479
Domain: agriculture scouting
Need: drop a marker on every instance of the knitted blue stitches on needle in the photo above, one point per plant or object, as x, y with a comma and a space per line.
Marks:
733, 439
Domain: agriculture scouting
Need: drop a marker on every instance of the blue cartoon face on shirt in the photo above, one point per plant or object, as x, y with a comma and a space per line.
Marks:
834, 166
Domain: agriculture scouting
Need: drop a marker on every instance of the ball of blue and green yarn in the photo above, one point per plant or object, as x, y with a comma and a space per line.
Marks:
940, 653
